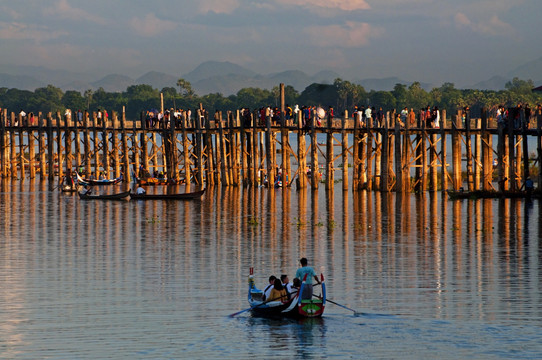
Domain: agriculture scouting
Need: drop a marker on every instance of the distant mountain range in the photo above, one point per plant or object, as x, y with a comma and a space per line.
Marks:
226, 78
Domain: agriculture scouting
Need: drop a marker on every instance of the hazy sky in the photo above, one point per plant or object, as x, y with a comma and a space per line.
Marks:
461, 41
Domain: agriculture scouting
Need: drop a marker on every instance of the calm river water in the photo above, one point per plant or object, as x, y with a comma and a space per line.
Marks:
157, 280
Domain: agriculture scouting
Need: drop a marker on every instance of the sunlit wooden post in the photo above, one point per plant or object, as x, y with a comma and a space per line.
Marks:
50, 148
301, 153
456, 153
344, 148
186, 150
487, 163
383, 161
315, 173
330, 178
125, 150
3, 153
511, 153
444, 150
355, 154
524, 125
399, 174
539, 144
42, 148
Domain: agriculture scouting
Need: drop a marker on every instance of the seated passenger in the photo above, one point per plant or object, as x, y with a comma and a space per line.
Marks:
295, 287
140, 190
278, 293
269, 287
286, 283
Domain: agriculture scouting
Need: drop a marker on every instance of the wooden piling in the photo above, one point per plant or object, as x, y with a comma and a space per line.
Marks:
301, 154
344, 151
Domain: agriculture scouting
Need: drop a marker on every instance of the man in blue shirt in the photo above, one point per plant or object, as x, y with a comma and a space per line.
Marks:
300, 274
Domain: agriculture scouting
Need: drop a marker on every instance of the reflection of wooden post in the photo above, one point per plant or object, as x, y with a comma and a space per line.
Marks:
344, 146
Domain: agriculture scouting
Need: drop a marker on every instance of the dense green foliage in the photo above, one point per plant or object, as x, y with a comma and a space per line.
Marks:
341, 95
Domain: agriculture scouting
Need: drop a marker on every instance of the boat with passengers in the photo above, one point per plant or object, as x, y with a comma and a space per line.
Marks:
295, 307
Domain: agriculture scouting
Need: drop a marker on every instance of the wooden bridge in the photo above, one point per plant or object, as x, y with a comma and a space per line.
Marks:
227, 149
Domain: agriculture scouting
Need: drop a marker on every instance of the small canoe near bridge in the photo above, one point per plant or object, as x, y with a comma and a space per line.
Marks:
181, 196
295, 307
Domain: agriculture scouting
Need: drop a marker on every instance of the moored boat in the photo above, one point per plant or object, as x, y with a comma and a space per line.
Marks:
117, 196
295, 307
183, 196
92, 182
491, 194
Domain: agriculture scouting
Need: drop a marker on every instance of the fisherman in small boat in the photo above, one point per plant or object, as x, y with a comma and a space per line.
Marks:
300, 274
269, 287
278, 292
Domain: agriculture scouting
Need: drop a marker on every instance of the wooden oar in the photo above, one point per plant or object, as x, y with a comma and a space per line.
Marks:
253, 307
345, 307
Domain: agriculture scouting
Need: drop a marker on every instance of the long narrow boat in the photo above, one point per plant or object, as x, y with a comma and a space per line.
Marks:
295, 307
92, 182
157, 181
118, 196
183, 196
482, 194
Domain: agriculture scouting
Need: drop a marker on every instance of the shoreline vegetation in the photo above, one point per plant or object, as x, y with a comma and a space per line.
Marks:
341, 95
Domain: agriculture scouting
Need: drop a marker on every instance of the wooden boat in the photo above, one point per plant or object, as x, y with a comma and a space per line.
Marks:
118, 196
157, 181
183, 196
92, 182
482, 194
295, 307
